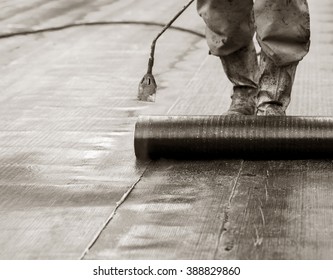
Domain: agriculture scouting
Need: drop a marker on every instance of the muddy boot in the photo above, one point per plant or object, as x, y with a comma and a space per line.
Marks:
242, 70
243, 101
275, 84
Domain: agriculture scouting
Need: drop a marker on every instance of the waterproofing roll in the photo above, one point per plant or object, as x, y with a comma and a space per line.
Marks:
252, 137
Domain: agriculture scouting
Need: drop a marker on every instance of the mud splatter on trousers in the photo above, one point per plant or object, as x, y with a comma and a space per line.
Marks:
283, 31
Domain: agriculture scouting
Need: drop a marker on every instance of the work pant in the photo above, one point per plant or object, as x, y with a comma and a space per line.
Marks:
283, 32
282, 26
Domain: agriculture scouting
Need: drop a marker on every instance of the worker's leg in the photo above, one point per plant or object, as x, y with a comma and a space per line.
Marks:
242, 70
229, 33
229, 24
283, 32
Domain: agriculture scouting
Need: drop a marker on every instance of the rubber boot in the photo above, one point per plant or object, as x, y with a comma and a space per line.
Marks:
275, 85
242, 69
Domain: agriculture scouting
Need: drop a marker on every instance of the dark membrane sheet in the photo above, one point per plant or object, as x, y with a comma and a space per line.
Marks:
250, 137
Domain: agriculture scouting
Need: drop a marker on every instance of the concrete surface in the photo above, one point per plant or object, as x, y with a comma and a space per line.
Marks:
70, 186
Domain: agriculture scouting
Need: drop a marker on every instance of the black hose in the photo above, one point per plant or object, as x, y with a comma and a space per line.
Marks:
96, 23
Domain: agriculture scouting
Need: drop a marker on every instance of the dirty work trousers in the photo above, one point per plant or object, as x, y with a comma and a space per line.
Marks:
282, 27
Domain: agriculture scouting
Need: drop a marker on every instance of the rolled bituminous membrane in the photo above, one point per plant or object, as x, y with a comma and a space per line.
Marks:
252, 137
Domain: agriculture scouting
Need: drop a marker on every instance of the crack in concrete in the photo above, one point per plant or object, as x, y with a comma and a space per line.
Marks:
262, 216
258, 239
113, 213
225, 222
266, 185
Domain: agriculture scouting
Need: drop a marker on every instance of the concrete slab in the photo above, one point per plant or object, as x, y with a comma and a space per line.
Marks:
70, 186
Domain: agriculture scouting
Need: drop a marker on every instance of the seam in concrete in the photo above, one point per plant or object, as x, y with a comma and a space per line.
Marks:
227, 210
109, 219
